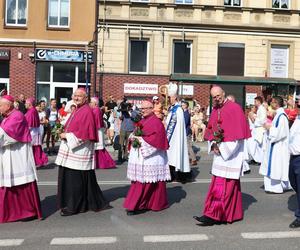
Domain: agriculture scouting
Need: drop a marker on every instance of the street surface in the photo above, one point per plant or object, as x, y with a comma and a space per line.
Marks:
265, 224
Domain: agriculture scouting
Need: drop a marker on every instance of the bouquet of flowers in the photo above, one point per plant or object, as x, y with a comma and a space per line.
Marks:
137, 132
134, 141
217, 131
57, 130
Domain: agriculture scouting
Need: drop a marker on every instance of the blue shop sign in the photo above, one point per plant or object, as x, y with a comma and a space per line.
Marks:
63, 55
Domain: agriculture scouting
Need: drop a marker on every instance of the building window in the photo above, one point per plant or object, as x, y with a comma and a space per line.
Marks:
184, 1
231, 59
182, 52
16, 12
59, 13
234, 3
138, 56
280, 4
279, 61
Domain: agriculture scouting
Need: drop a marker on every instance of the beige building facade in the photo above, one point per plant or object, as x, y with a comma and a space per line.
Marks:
249, 47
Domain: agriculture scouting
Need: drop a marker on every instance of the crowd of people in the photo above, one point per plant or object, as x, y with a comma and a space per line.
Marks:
155, 140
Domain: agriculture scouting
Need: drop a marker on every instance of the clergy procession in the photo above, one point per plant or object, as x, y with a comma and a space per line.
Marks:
160, 152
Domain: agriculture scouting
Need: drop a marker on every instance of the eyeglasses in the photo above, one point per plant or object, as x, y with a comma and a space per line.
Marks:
146, 108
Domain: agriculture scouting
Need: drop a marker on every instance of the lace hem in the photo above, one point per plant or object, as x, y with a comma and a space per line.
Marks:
148, 173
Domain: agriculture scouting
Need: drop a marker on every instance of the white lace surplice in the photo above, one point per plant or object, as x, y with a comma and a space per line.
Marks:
148, 164
17, 165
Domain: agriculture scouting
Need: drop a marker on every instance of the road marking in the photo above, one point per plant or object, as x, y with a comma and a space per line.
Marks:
11, 242
197, 181
271, 235
83, 240
175, 238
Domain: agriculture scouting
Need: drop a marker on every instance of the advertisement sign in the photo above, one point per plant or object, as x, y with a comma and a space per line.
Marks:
140, 88
186, 90
279, 61
63, 55
4, 54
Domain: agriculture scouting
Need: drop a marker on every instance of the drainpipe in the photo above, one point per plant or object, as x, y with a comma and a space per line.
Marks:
95, 38
35, 72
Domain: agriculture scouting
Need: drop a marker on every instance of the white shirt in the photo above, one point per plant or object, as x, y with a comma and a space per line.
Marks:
76, 154
294, 143
230, 162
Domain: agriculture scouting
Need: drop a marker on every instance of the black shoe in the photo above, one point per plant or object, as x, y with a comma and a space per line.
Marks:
29, 218
119, 162
205, 221
269, 192
65, 212
247, 172
130, 213
295, 224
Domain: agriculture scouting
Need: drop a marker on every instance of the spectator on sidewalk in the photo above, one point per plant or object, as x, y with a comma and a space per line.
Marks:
52, 117
187, 119
127, 126
21, 101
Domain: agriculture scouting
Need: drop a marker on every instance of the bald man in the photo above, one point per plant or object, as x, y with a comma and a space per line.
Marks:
226, 133
19, 196
78, 190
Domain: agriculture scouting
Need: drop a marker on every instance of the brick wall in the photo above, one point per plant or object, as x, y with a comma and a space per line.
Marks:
21, 72
254, 89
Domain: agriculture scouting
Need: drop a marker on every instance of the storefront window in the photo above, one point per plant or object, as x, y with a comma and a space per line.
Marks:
81, 73
64, 72
16, 12
59, 79
4, 69
43, 92
43, 71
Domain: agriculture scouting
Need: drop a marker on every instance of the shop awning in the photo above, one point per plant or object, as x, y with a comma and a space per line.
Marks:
239, 80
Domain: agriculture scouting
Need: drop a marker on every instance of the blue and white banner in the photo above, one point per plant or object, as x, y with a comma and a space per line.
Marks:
63, 55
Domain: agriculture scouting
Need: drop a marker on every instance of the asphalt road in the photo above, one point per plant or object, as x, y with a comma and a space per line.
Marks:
265, 224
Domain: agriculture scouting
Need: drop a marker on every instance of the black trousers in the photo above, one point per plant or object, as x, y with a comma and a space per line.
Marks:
78, 191
294, 176
180, 176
